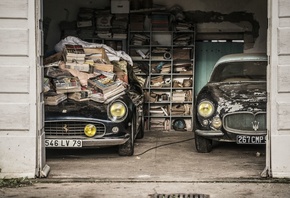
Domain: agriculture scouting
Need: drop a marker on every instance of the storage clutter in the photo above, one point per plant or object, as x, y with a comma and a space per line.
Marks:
162, 45
99, 24
160, 41
82, 71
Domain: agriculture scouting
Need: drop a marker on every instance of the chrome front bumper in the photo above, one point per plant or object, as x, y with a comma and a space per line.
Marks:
209, 133
91, 142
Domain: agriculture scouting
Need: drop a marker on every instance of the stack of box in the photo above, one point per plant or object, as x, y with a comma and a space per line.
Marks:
121, 10
85, 22
120, 26
103, 24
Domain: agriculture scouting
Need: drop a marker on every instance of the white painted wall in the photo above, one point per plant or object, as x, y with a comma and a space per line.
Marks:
18, 98
279, 98
18, 141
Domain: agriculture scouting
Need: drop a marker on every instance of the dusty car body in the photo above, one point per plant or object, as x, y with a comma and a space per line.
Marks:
231, 107
89, 124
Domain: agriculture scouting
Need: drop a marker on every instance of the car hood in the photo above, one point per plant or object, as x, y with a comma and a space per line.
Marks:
240, 96
70, 109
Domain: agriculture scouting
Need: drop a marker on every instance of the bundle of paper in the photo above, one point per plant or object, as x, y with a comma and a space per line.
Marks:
159, 110
178, 96
54, 99
157, 123
67, 85
83, 95
84, 67
102, 84
99, 97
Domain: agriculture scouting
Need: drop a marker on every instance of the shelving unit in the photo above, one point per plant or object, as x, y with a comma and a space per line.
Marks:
116, 44
164, 61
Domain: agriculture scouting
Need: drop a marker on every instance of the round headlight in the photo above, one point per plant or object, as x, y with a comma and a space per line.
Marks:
117, 110
205, 109
90, 130
216, 122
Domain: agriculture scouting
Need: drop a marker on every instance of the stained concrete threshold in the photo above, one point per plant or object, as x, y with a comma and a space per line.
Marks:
160, 157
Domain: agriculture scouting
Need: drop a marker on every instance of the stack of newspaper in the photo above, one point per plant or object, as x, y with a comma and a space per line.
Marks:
67, 85
178, 96
54, 99
107, 86
70, 80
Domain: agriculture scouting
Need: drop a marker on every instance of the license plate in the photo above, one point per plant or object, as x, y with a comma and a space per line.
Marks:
63, 143
251, 139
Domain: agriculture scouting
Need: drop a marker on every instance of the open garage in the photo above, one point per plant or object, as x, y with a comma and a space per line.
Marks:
32, 29
218, 30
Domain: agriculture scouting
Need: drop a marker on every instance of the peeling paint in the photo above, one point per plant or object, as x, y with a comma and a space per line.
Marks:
234, 17
228, 106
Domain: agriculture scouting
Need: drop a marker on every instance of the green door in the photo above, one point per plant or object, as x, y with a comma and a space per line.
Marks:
207, 53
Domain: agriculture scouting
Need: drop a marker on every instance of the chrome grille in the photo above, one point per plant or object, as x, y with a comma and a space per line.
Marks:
246, 122
71, 128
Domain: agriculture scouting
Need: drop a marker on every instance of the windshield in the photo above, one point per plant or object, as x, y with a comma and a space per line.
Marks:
240, 71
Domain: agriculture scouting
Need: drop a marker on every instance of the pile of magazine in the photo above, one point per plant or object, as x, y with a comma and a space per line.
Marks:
101, 81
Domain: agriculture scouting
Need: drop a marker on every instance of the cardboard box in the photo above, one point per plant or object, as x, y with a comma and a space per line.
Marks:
100, 59
104, 67
120, 6
53, 58
96, 53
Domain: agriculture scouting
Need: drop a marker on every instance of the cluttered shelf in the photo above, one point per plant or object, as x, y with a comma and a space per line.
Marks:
165, 52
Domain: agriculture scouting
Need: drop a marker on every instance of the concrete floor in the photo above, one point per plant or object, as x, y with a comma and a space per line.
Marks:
165, 163
160, 156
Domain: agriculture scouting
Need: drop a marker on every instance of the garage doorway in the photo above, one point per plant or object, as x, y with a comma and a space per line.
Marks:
204, 50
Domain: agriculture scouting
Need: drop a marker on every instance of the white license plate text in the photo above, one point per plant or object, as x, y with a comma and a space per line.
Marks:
249, 139
62, 143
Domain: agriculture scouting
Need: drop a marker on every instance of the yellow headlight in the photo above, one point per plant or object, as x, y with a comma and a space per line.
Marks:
117, 110
205, 109
90, 130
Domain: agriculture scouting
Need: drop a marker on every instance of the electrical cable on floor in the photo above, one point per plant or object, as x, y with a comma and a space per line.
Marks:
167, 144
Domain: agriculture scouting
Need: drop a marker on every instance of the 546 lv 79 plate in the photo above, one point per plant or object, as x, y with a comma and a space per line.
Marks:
62, 143
251, 139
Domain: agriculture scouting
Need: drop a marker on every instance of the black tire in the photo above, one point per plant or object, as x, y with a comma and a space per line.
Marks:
127, 149
202, 144
140, 133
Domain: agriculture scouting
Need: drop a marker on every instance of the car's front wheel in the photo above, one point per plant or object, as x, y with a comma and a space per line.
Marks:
202, 144
127, 149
